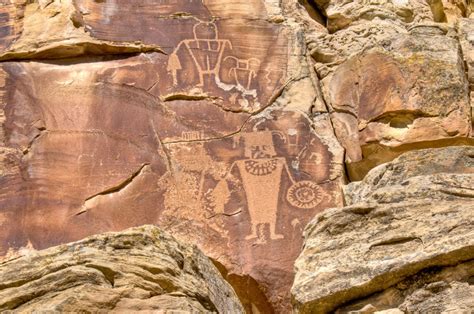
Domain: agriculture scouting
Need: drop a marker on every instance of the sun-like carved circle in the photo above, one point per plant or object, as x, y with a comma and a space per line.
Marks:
304, 194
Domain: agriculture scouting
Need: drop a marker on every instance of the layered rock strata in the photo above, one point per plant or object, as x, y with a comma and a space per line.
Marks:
403, 243
140, 269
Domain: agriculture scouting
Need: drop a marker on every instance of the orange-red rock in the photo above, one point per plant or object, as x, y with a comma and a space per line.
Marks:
391, 98
184, 135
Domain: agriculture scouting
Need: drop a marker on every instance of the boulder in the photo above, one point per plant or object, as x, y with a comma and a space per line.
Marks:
381, 107
139, 269
403, 241
369, 64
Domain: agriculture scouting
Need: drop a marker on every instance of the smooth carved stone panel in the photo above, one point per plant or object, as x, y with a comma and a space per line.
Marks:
96, 154
93, 155
251, 193
150, 21
245, 72
79, 134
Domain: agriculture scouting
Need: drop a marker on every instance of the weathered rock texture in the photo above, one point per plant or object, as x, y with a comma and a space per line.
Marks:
405, 240
140, 269
225, 122
466, 38
393, 78
191, 115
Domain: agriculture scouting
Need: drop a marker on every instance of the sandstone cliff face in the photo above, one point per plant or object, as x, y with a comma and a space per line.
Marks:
395, 79
140, 269
192, 115
228, 123
404, 241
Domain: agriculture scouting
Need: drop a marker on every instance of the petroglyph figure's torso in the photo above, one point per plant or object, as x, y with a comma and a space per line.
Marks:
261, 179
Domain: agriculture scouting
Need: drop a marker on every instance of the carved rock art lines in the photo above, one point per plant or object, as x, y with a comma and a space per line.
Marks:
205, 49
187, 139
304, 194
249, 180
261, 173
207, 61
244, 71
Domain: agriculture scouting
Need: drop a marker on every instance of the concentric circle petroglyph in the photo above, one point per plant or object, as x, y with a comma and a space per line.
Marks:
304, 194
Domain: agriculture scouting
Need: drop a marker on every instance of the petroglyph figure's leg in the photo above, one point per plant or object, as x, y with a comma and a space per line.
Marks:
273, 234
253, 234
201, 80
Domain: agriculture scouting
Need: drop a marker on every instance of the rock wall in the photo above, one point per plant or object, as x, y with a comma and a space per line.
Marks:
396, 76
393, 74
404, 241
192, 115
229, 124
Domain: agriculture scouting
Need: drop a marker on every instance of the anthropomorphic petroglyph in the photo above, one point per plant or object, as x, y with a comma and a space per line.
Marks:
209, 58
191, 165
244, 71
187, 179
205, 49
261, 174
187, 183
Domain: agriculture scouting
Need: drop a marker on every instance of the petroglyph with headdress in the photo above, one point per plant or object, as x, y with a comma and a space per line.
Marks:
261, 173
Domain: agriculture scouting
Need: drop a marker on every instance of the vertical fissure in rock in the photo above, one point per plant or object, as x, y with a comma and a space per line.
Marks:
314, 11
247, 289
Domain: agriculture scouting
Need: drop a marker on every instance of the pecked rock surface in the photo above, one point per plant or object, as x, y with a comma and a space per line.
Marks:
404, 241
193, 115
228, 123
140, 269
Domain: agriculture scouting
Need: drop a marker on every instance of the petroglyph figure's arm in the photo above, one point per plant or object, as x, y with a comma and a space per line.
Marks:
229, 43
174, 64
228, 175
288, 171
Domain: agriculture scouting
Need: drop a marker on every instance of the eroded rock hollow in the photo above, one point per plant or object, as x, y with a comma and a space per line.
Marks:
230, 125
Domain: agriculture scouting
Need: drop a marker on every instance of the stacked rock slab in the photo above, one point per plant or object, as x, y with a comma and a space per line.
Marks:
140, 269
193, 115
403, 243
393, 76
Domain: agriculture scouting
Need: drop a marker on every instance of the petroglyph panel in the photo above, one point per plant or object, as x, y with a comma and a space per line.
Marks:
181, 139
96, 153
242, 64
251, 193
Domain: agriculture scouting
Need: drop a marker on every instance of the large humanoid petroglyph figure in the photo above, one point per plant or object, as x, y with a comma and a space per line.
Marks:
261, 174
205, 49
